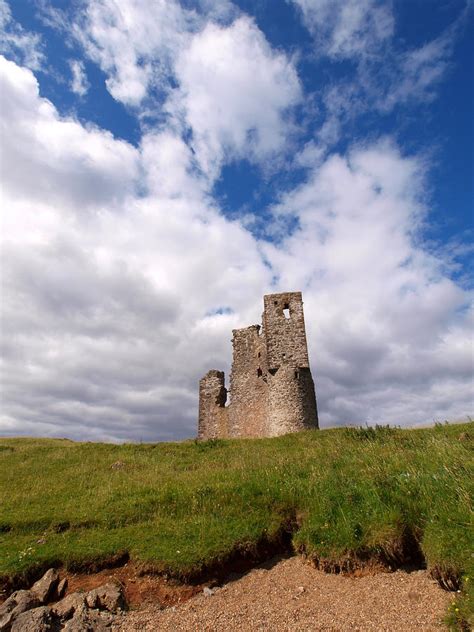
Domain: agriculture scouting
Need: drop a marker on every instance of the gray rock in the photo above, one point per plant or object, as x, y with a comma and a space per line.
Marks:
45, 587
61, 589
66, 608
107, 597
36, 620
17, 603
6, 620
208, 592
86, 620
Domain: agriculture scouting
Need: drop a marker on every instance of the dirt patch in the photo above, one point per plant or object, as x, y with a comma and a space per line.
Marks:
139, 589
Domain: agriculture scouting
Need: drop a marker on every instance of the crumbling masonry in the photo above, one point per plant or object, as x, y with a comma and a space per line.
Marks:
271, 388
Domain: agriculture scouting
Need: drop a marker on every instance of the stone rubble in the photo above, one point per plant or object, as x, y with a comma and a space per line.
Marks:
36, 620
18, 602
44, 608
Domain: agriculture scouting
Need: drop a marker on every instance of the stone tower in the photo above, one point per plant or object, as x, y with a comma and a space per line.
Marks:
271, 387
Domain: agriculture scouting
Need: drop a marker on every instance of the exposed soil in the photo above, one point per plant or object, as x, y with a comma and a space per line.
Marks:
291, 594
140, 590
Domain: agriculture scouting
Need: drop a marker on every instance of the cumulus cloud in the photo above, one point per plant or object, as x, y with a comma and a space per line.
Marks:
117, 297
22, 45
66, 163
112, 296
234, 93
214, 71
388, 326
135, 42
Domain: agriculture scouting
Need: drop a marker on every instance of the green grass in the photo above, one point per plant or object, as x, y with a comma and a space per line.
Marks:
181, 507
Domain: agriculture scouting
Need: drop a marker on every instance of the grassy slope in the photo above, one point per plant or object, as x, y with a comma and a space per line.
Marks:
178, 507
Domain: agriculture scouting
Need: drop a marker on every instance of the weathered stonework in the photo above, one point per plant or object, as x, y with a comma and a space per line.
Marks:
213, 414
271, 387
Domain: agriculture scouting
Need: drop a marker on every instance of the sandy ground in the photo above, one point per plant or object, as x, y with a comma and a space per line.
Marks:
292, 595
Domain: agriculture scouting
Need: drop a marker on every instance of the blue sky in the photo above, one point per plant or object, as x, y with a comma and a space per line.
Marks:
166, 164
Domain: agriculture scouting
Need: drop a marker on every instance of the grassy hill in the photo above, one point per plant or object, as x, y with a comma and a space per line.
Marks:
342, 496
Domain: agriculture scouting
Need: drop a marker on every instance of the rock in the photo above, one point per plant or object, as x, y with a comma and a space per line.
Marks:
107, 597
20, 601
45, 587
208, 592
36, 620
17, 603
66, 608
6, 621
86, 620
61, 589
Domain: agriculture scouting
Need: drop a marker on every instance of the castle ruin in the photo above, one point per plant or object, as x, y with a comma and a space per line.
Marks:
271, 387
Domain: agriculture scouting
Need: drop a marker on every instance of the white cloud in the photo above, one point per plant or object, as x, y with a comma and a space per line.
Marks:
79, 83
106, 291
135, 41
348, 28
235, 93
122, 281
124, 39
420, 72
385, 74
22, 45
389, 330
66, 163
218, 78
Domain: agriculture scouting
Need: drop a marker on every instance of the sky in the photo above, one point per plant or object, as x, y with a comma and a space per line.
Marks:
165, 164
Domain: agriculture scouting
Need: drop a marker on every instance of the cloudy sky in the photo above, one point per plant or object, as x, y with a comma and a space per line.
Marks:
165, 164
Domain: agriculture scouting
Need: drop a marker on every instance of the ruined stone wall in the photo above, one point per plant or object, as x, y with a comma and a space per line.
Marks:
248, 384
271, 387
213, 414
283, 320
